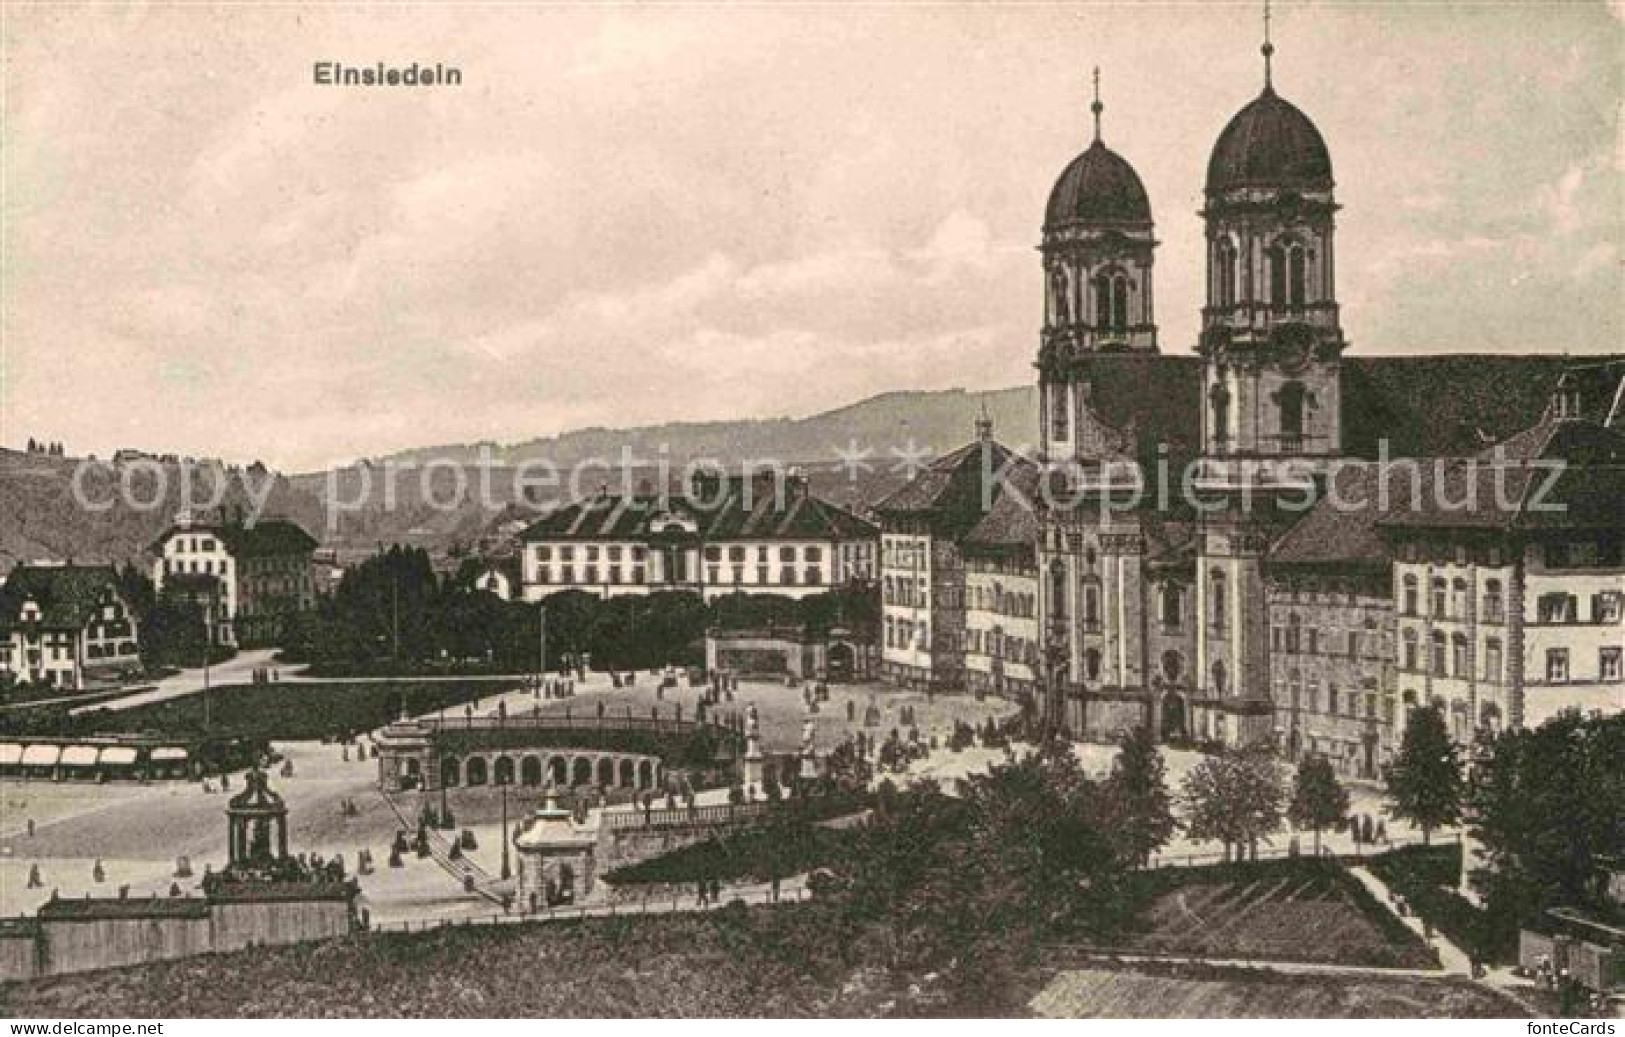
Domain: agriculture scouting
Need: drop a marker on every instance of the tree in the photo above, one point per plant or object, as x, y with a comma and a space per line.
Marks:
1546, 809
1138, 789
1424, 781
1235, 798
1048, 862
1318, 800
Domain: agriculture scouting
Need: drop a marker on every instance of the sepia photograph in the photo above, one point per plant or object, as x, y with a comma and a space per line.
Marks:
821, 509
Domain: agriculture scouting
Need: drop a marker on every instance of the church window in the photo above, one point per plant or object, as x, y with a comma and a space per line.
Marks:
1224, 261
1287, 272
1218, 678
1057, 591
1060, 311
1219, 400
1060, 423
1091, 604
1216, 598
1172, 607
1111, 302
1292, 398
1091, 664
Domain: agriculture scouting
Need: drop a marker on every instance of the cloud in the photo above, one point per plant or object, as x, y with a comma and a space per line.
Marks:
629, 215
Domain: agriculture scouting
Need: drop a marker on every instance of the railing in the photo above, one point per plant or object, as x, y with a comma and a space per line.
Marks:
647, 905
684, 817
462, 868
519, 721
1190, 860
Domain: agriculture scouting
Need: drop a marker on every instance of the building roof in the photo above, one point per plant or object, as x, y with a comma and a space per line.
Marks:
1556, 475
1153, 401
1341, 529
738, 511
1270, 143
1451, 406
956, 490
264, 538
1098, 187
67, 595
1011, 525
1365, 500
1601, 388
1424, 406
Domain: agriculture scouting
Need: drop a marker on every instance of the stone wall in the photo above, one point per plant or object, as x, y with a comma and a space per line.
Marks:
82, 935
19, 953
268, 923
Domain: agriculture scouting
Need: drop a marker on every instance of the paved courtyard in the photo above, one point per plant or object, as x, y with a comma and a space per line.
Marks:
137, 831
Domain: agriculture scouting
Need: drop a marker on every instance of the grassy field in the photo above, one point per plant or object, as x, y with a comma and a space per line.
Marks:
723, 964
1287, 910
734, 963
1199, 992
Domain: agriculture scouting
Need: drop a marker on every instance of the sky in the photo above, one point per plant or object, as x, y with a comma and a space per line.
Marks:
635, 214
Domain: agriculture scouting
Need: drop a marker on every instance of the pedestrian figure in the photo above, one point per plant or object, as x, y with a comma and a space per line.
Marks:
34, 880
98, 873
31, 828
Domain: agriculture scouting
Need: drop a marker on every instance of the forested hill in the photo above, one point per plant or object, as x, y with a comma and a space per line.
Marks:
112, 513
40, 519
941, 420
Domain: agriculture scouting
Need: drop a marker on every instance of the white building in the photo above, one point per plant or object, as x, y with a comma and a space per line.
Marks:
754, 536
246, 576
61, 625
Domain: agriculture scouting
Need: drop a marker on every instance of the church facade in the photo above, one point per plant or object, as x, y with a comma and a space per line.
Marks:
1216, 550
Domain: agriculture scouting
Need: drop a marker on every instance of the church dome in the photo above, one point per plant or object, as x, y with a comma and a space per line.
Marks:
1099, 186
1270, 143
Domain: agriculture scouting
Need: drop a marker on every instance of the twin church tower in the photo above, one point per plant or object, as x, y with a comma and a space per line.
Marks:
1161, 604
1270, 338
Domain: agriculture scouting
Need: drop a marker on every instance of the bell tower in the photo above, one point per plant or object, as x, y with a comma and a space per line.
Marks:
1272, 348
1097, 248
1271, 333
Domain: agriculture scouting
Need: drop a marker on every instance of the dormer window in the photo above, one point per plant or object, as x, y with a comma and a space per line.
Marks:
1565, 405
